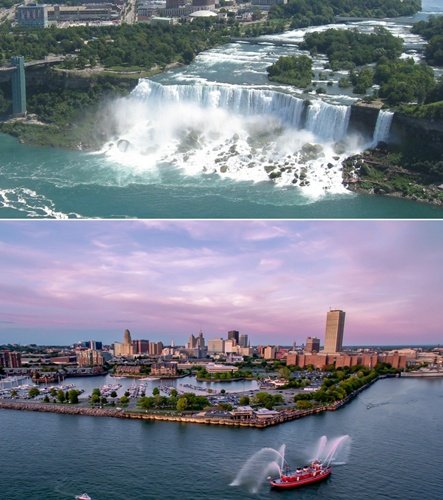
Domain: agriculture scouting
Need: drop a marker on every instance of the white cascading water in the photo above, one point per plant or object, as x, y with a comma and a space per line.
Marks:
233, 131
236, 99
382, 127
327, 121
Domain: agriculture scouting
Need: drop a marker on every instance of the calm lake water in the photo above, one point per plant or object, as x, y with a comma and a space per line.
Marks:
395, 427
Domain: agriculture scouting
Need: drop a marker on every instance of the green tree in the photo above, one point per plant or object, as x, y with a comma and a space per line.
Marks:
124, 400
285, 372
244, 401
304, 405
182, 404
33, 392
155, 391
291, 70
61, 397
73, 396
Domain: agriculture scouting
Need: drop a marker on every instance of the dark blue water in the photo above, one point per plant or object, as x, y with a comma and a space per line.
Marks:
395, 452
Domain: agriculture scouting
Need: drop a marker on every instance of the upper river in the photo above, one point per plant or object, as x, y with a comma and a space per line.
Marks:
394, 448
199, 141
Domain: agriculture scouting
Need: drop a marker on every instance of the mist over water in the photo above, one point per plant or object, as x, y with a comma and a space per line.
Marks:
237, 132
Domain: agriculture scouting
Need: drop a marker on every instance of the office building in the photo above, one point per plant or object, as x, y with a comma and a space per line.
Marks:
140, 346
243, 340
335, 324
10, 359
234, 335
312, 345
216, 346
32, 15
125, 348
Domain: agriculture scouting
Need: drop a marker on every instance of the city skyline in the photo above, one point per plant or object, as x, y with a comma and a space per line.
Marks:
271, 280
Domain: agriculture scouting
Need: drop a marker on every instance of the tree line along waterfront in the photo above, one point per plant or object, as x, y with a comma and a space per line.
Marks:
337, 387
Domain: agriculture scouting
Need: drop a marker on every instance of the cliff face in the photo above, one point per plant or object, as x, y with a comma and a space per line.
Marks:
417, 136
56, 79
362, 120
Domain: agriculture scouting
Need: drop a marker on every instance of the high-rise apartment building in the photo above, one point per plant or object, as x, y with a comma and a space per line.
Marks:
335, 325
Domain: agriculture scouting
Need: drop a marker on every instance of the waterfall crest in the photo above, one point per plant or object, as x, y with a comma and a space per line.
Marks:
327, 121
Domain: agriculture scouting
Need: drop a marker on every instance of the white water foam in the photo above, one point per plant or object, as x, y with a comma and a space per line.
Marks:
238, 132
31, 203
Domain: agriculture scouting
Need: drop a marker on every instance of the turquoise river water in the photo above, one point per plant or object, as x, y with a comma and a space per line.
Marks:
199, 142
395, 432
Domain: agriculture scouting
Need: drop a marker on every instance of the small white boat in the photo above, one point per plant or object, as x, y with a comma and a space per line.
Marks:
83, 496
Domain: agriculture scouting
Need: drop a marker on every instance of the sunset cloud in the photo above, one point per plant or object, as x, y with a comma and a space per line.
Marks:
273, 280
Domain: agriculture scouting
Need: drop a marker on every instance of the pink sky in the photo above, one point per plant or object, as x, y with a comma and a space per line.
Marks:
273, 280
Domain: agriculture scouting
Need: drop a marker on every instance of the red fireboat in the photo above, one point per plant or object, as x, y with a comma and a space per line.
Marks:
312, 473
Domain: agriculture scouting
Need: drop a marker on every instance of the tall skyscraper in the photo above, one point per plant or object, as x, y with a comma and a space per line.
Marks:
335, 325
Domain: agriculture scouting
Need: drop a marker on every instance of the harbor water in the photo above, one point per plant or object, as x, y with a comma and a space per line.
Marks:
395, 429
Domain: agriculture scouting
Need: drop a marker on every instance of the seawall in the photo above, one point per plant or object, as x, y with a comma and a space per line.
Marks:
259, 423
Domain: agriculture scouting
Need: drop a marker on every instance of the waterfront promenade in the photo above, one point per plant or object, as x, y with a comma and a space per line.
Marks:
283, 416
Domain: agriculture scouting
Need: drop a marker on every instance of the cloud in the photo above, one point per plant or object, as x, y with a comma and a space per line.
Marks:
270, 279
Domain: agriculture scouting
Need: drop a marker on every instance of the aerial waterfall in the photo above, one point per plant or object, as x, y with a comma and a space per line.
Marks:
234, 131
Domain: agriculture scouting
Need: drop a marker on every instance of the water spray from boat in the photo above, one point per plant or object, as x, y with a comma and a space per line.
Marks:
269, 462
334, 451
257, 468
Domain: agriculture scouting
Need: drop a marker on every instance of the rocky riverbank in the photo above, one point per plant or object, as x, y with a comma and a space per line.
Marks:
377, 171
